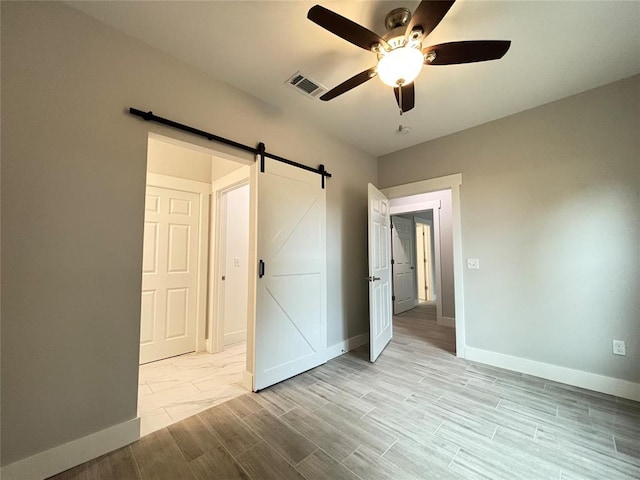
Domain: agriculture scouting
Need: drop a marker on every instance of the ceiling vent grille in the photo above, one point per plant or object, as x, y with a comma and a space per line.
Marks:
306, 86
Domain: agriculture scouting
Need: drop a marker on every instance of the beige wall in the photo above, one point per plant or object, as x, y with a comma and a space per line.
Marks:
73, 174
176, 161
551, 207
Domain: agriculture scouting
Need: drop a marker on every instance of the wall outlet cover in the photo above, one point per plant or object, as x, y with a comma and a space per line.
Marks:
473, 263
619, 347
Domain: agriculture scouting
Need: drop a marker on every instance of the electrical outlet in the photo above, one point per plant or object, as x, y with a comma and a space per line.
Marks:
473, 263
236, 262
619, 348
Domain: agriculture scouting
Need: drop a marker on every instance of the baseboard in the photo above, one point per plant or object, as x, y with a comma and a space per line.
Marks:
63, 457
235, 337
447, 321
577, 378
349, 344
247, 381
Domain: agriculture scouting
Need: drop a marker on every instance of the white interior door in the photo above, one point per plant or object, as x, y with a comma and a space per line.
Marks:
380, 316
169, 274
291, 306
404, 277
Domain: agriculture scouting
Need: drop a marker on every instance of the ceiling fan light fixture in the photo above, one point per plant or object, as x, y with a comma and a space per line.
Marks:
400, 66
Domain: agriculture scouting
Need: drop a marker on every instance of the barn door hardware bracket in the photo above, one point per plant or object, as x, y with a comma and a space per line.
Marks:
260, 150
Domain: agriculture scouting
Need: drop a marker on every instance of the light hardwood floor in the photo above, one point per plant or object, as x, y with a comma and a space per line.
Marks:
417, 413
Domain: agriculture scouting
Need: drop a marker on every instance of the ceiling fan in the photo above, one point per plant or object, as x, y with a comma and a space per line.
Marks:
400, 52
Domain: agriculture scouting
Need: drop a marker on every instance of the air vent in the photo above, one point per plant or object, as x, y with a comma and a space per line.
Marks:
305, 85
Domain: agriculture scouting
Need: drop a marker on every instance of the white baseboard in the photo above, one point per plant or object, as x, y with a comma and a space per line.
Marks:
235, 337
447, 321
349, 344
247, 381
63, 457
577, 378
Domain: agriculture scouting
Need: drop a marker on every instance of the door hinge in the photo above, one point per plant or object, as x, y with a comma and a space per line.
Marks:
393, 262
393, 299
261, 269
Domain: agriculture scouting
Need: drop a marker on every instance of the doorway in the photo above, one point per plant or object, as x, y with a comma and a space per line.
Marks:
415, 197
180, 204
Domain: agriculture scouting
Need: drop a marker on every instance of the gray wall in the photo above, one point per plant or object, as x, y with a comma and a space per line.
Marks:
551, 207
73, 177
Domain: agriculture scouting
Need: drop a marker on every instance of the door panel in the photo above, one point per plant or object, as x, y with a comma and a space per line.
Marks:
403, 265
380, 317
291, 324
169, 276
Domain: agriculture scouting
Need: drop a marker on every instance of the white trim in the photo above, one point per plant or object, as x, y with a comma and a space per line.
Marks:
235, 337
247, 381
347, 345
423, 186
203, 190
446, 321
414, 207
63, 457
236, 179
569, 376
453, 183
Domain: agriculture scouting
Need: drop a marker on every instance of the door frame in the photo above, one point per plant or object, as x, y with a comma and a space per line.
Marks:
203, 191
453, 183
217, 250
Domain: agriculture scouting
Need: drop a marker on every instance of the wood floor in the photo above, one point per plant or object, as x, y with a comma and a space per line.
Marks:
417, 413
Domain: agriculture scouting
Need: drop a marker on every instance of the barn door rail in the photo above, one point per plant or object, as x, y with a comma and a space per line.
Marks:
260, 150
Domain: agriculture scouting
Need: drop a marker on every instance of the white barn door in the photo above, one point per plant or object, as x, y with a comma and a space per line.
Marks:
169, 274
291, 306
380, 316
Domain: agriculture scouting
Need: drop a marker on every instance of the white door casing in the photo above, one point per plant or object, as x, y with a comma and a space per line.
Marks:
236, 256
217, 254
291, 306
404, 274
380, 314
169, 274
453, 183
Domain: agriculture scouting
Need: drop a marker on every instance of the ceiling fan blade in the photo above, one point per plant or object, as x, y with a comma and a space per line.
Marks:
467, 52
428, 15
347, 85
345, 28
408, 97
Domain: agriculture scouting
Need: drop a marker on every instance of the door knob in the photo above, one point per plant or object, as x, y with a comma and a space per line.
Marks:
373, 279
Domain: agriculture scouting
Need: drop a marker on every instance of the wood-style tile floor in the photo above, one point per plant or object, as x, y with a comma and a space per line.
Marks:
417, 413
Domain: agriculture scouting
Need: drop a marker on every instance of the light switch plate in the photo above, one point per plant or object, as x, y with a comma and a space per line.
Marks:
473, 263
236, 262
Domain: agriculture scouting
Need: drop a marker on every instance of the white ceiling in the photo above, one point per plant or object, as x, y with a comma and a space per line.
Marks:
559, 48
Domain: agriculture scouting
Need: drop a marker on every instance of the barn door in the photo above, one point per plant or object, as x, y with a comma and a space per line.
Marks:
380, 317
291, 310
